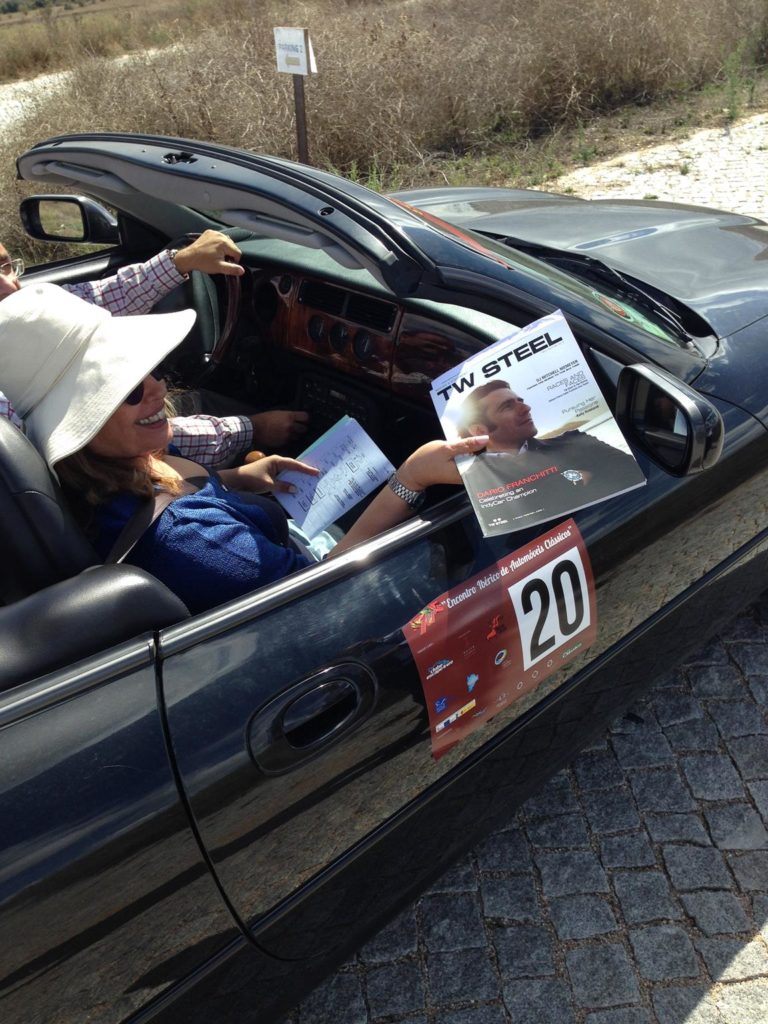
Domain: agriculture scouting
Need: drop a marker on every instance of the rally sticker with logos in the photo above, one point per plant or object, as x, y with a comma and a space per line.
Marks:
486, 643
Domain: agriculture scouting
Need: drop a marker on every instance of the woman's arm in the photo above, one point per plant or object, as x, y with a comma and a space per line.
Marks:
431, 464
260, 476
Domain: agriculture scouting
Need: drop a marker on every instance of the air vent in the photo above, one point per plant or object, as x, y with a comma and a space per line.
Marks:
323, 297
379, 316
357, 309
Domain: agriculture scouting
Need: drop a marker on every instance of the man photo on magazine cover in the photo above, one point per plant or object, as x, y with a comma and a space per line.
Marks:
519, 476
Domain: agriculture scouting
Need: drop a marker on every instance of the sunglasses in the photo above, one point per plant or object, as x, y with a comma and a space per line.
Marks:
12, 267
138, 392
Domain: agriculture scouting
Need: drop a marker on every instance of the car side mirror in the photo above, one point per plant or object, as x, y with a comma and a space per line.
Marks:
676, 426
68, 219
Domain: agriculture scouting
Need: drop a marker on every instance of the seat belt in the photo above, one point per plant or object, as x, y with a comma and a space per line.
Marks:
141, 520
137, 525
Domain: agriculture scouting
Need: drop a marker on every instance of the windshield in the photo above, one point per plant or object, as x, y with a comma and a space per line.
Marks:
611, 298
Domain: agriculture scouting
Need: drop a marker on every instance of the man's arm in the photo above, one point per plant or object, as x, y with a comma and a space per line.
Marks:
608, 459
605, 470
211, 440
133, 289
136, 288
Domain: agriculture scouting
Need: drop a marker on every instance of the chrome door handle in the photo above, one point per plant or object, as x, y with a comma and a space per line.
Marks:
310, 716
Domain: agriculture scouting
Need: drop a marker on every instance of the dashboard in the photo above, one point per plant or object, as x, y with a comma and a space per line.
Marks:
357, 335
335, 350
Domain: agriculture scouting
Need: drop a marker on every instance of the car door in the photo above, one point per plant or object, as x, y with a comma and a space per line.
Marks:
298, 719
104, 895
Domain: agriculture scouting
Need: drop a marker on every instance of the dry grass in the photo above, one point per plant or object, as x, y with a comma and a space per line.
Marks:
54, 40
405, 88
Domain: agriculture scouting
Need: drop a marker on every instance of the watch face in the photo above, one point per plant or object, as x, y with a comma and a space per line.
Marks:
573, 475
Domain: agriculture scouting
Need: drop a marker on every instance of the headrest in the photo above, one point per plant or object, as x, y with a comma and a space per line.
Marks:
40, 543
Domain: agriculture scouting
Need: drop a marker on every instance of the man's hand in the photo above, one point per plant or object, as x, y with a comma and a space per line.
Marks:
213, 253
276, 428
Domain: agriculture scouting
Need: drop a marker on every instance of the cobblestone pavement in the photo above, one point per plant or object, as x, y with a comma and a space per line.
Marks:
634, 888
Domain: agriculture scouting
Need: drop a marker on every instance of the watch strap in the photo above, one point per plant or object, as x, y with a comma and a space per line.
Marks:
413, 499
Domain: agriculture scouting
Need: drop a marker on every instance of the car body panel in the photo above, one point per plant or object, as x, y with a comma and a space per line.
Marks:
103, 888
736, 373
710, 260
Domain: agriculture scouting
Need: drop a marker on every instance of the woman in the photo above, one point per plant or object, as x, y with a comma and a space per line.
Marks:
82, 380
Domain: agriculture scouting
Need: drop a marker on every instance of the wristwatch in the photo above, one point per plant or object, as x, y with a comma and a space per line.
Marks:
573, 475
173, 253
413, 499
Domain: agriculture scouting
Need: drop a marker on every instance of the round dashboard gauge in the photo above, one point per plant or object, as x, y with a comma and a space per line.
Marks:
316, 329
362, 345
339, 337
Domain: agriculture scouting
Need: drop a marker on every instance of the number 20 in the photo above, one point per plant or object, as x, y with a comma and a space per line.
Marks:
563, 583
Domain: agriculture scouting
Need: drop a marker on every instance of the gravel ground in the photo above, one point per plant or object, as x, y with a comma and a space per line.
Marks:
725, 168
16, 97
634, 888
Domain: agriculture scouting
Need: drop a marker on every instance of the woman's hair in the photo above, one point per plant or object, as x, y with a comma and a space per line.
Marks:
89, 480
95, 479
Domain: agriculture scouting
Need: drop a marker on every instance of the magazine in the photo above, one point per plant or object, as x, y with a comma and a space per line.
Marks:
554, 446
350, 465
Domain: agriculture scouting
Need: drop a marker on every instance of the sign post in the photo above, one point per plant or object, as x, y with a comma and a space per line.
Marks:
296, 57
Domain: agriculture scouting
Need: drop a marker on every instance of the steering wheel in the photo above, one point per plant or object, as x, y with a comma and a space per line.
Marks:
217, 309
216, 301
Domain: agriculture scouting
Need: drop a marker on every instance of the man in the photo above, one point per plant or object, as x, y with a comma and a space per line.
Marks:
209, 440
519, 479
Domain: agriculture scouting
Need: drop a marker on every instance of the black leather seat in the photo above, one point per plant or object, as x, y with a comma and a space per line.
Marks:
79, 618
62, 605
40, 543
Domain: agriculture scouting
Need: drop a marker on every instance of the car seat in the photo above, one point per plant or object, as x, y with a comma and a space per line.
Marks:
40, 542
61, 604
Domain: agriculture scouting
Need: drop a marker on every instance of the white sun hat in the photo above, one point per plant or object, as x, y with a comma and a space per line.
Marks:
67, 365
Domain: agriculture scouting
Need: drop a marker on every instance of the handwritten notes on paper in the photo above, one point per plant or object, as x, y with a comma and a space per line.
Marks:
351, 466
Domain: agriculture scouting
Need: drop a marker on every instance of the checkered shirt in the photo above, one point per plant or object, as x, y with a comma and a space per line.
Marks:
211, 440
133, 289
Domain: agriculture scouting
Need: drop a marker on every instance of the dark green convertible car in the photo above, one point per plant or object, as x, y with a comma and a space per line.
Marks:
204, 814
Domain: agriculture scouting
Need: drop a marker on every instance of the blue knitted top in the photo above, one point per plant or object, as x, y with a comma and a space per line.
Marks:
207, 547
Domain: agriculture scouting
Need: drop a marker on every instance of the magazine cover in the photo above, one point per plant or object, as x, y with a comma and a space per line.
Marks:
554, 446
